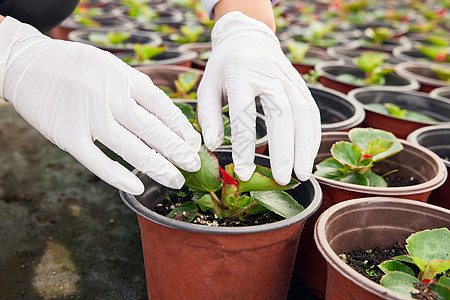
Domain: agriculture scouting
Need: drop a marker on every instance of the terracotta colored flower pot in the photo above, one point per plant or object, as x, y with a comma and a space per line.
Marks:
363, 224
437, 139
442, 92
199, 48
415, 101
413, 160
423, 73
337, 111
190, 261
172, 56
331, 69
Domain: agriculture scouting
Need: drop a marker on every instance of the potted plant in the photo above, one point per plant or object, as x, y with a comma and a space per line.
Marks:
353, 50
303, 56
437, 139
386, 221
425, 110
367, 70
190, 33
160, 55
218, 260
383, 38
424, 167
114, 40
426, 53
337, 111
430, 76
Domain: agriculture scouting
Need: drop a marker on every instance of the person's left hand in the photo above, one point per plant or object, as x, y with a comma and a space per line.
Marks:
247, 61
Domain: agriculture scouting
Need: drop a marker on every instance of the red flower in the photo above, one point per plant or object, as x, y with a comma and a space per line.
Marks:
366, 156
428, 281
227, 178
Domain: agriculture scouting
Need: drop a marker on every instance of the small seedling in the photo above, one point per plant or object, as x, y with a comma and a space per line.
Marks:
312, 77
188, 34
139, 10
144, 53
183, 86
443, 73
429, 251
297, 53
434, 52
372, 64
396, 111
229, 197
84, 15
111, 38
318, 32
352, 162
379, 34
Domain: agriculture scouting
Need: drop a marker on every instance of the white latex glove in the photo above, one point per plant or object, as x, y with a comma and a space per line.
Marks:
75, 94
247, 61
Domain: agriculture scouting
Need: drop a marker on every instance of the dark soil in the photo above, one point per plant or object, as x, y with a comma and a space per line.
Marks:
208, 218
396, 181
366, 261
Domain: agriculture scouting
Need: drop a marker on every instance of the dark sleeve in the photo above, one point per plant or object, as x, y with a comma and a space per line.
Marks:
42, 14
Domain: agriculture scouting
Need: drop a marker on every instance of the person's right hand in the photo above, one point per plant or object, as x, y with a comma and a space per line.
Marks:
75, 94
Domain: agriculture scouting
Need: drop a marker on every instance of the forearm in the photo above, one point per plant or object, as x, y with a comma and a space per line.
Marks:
258, 9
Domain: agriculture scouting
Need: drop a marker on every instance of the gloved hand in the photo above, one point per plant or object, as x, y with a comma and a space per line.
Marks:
247, 61
75, 94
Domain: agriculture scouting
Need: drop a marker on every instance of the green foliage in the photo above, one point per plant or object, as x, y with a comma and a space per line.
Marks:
139, 10
434, 52
229, 197
379, 34
429, 251
188, 34
183, 86
318, 34
111, 38
395, 111
352, 162
144, 53
297, 51
443, 73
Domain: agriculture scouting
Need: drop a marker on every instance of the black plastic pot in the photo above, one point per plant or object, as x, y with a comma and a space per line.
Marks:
363, 224
337, 111
349, 52
442, 92
387, 46
437, 139
415, 101
169, 57
331, 69
140, 37
423, 73
406, 53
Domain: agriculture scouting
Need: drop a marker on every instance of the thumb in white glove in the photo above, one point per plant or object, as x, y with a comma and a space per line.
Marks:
75, 94
247, 61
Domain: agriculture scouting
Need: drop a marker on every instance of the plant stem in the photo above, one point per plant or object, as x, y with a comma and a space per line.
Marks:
243, 210
216, 199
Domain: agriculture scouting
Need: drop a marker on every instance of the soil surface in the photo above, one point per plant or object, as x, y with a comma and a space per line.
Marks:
208, 218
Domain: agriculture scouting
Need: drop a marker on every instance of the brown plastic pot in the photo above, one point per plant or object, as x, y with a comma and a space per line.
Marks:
413, 160
199, 48
412, 100
190, 261
329, 70
437, 139
363, 224
423, 73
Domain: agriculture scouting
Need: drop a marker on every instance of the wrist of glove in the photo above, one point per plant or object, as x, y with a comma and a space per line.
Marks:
247, 61
75, 94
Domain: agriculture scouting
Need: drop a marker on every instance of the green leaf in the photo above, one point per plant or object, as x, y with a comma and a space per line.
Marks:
117, 37
330, 173
208, 177
350, 155
379, 34
278, 202
362, 136
377, 146
187, 80
419, 117
399, 282
393, 265
375, 180
404, 258
187, 110
188, 209
297, 51
430, 248
330, 163
444, 281
355, 178
395, 110
442, 291
378, 107
369, 61
262, 180
145, 52
206, 202
442, 73
349, 78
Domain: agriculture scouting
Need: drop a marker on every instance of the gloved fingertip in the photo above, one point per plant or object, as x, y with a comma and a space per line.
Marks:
175, 182
212, 139
131, 186
244, 172
194, 165
303, 177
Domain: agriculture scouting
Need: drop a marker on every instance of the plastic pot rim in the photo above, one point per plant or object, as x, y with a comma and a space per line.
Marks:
413, 137
334, 260
184, 56
320, 67
150, 215
402, 70
354, 120
436, 93
352, 95
429, 185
